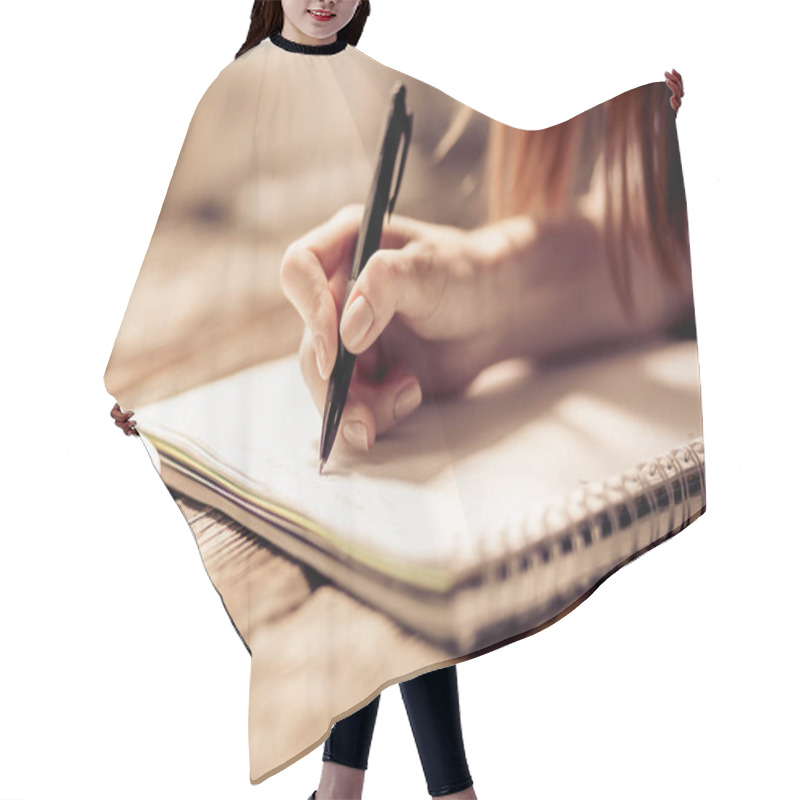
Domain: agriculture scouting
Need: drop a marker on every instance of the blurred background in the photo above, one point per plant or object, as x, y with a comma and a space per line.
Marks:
265, 161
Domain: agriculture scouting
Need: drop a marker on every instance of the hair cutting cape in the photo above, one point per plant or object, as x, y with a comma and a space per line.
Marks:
479, 518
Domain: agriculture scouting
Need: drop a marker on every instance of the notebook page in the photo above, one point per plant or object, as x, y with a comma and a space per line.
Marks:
544, 435
261, 430
456, 480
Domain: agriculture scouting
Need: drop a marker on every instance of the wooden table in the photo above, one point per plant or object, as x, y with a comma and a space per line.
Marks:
317, 641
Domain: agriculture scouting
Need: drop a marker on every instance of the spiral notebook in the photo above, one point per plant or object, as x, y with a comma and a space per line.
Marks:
500, 507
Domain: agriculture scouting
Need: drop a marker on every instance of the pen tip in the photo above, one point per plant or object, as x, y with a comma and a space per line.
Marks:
321, 465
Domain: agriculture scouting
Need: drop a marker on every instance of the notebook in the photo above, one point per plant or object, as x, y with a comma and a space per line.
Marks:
475, 515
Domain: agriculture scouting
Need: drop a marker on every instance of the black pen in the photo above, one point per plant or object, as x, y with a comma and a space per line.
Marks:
396, 126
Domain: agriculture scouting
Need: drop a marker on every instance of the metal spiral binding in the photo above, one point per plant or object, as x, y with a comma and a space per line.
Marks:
550, 567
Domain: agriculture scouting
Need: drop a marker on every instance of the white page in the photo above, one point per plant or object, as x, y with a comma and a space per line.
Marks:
458, 480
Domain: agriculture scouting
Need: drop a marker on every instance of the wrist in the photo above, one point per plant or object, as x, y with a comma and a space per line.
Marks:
505, 282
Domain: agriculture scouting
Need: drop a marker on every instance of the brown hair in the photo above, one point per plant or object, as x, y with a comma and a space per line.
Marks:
531, 172
266, 18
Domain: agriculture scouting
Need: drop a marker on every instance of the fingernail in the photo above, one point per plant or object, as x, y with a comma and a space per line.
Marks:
356, 322
407, 401
319, 349
356, 434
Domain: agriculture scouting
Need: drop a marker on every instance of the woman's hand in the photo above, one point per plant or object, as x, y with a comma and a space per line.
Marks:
122, 419
675, 83
419, 318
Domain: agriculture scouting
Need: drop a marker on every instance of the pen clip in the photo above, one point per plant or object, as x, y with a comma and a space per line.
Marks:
406, 133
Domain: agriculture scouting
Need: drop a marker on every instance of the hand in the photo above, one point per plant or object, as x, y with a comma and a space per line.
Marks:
122, 419
417, 318
675, 83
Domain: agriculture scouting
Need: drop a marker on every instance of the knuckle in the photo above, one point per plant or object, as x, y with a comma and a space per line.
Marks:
387, 269
349, 215
422, 258
353, 211
390, 268
286, 267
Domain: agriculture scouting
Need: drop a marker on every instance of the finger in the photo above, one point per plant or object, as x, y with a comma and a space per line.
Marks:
305, 284
118, 414
314, 272
678, 83
368, 363
317, 386
357, 425
333, 242
674, 99
371, 408
392, 281
389, 401
675, 81
318, 265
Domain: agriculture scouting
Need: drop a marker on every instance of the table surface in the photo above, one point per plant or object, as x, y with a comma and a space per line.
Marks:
310, 641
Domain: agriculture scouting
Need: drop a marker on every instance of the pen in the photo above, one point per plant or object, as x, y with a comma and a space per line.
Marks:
396, 126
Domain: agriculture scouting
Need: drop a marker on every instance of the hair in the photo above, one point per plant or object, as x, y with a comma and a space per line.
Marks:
531, 172
266, 18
